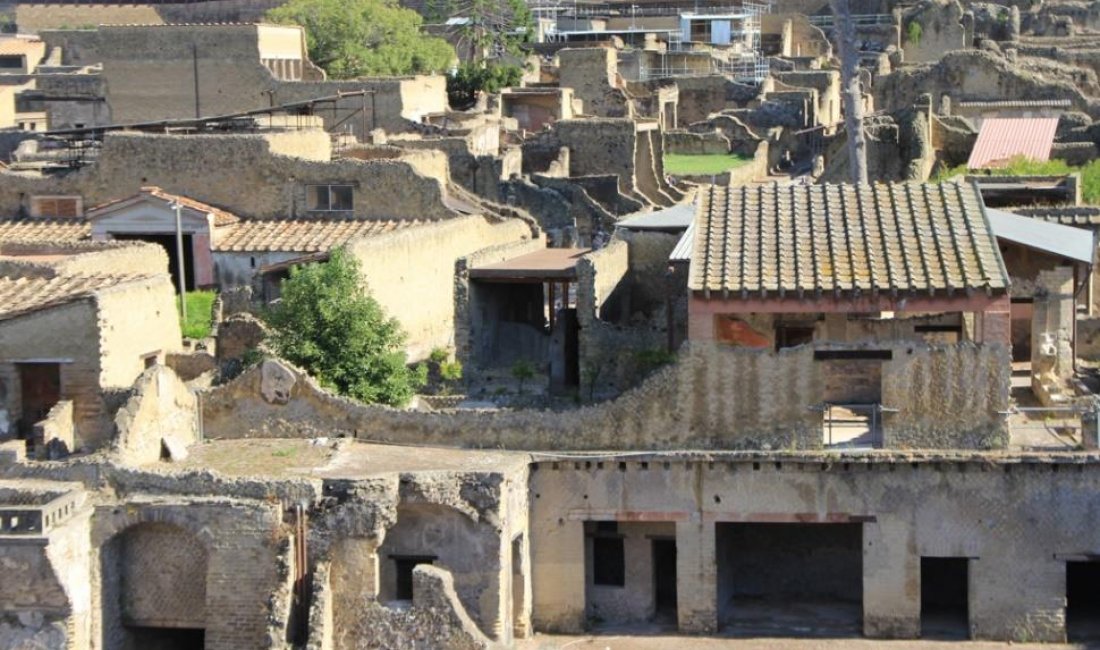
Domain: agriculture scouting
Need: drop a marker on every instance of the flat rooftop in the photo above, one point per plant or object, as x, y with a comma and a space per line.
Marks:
339, 458
545, 264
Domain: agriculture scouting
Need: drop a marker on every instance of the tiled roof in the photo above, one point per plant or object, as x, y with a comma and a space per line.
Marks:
902, 237
44, 230
221, 217
1002, 139
299, 235
27, 294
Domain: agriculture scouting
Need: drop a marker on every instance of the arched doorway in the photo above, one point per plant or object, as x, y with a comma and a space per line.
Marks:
153, 581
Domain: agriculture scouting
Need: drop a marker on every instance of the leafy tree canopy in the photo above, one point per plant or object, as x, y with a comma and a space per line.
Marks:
354, 38
497, 26
470, 78
327, 323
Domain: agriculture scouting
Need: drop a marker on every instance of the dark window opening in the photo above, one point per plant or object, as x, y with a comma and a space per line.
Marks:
608, 561
1083, 601
330, 197
404, 565
944, 597
11, 62
790, 336
853, 355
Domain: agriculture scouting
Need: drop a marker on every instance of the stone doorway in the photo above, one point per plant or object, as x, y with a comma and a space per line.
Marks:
1083, 601
945, 598
664, 580
790, 579
40, 390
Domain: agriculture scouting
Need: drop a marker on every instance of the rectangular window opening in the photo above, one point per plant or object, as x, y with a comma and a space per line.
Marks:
330, 198
608, 561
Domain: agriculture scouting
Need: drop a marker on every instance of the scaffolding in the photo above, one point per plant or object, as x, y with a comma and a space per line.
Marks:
749, 65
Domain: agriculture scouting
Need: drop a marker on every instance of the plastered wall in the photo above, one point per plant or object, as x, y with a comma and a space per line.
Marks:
1012, 519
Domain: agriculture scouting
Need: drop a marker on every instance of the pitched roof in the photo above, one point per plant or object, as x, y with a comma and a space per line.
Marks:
300, 235
1064, 241
899, 237
44, 230
1002, 139
221, 217
675, 218
24, 294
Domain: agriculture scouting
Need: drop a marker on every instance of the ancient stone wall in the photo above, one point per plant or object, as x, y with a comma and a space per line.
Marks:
674, 408
137, 320
250, 179
970, 75
162, 418
420, 261
472, 330
240, 543
64, 332
434, 620
932, 28
592, 73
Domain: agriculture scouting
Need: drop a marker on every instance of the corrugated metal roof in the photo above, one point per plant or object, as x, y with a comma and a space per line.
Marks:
678, 217
1064, 241
898, 237
682, 251
1002, 139
1018, 103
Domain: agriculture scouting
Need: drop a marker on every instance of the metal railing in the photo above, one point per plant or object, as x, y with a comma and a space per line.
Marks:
853, 425
859, 20
1046, 427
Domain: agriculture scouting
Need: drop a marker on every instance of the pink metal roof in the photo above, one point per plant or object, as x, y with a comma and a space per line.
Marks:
1002, 139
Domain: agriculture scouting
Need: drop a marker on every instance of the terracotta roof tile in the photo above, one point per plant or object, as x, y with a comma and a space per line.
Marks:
300, 235
904, 237
27, 294
44, 230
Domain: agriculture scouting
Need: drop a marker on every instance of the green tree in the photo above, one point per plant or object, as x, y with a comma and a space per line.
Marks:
354, 38
327, 323
470, 78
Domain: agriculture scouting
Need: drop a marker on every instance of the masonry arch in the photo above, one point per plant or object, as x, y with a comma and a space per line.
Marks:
427, 533
153, 578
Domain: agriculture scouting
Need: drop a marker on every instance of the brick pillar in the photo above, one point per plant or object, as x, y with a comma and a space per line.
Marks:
696, 577
891, 582
558, 576
996, 323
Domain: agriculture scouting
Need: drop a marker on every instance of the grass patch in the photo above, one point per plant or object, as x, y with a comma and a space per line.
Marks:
702, 164
1090, 173
200, 314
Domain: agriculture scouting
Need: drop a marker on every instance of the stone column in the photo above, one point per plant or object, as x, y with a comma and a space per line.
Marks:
696, 576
